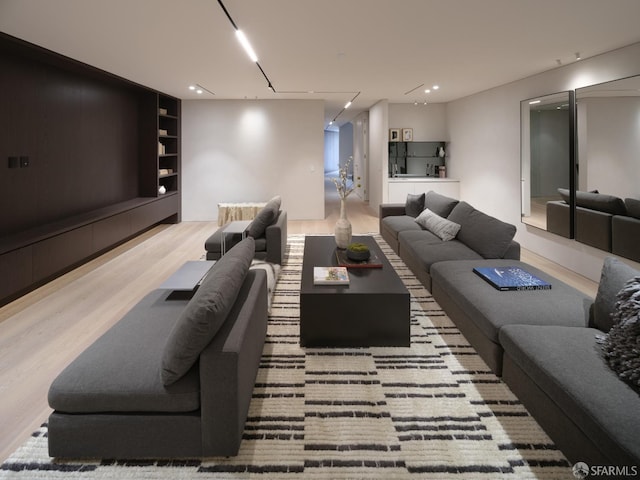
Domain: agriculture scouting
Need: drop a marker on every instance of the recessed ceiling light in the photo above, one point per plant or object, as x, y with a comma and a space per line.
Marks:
436, 87
427, 91
192, 87
199, 92
347, 105
533, 102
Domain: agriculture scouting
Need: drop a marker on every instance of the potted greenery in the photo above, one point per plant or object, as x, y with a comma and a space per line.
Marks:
358, 251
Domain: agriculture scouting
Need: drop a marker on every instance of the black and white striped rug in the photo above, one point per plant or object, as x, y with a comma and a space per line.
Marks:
432, 410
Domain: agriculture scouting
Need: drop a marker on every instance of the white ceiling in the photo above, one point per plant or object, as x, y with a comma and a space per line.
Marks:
380, 49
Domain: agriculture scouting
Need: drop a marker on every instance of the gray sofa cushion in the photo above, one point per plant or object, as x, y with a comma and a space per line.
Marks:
400, 223
439, 204
444, 229
482, 233
613, 277
633, 207
414, 204
206, 311
265, 217
426, 248
491, 309
120, 371
567, 365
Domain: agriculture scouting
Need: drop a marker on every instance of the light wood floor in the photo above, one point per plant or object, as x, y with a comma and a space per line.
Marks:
43, 331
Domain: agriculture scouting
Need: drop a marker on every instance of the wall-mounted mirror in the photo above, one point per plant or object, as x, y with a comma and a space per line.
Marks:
547, 144
608, 167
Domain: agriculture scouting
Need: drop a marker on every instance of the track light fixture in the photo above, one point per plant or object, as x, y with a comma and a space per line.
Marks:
242, 38
578, 56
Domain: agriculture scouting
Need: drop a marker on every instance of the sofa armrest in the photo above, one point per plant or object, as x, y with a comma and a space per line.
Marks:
513, 251
392, 209
228, 368
276, 235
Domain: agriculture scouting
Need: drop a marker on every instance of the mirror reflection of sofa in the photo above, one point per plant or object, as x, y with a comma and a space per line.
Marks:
602, 221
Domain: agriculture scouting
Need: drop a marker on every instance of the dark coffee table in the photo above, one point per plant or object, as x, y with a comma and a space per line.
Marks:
373, 310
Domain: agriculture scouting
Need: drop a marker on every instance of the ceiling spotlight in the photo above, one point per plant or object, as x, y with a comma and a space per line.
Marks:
199, 92
192, 87
242, 38
425, 102
415, 103
427, 91
436, 87
558, 61
578, 56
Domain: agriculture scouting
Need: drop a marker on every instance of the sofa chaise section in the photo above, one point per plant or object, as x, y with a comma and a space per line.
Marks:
561, 376
114, 400
480, 310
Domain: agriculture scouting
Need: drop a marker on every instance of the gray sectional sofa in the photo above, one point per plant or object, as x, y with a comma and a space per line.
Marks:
268, 229
173, 378
542, 342
479, 236
559, 374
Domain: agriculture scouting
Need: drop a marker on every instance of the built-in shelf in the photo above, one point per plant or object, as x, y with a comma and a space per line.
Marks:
94, 177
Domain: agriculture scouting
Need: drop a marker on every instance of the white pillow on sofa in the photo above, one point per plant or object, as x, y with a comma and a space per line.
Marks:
445, 229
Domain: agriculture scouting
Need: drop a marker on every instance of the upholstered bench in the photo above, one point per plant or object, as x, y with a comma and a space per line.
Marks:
480, 310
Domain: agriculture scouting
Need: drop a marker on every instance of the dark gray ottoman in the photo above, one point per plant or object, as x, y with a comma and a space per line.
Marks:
479, 310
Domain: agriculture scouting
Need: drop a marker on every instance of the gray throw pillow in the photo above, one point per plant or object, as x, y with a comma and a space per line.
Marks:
620, 346
414, 204
439, 204
486, 235
633, 207
613, 277
265, 217
206, 312
445, 229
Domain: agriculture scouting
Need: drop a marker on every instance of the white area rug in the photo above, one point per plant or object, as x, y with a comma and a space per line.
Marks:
430, 411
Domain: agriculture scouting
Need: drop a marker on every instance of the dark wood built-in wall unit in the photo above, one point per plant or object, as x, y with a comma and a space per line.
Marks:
83, 154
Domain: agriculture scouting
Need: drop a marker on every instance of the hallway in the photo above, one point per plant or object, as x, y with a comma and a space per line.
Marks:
362, 218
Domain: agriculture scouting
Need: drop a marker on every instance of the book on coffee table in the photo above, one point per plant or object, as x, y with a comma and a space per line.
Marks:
343, 261
511, 278
330, 276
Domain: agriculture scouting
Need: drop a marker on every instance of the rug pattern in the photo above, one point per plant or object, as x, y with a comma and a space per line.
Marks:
432, 410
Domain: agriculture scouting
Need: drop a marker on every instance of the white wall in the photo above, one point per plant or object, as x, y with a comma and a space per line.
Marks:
609, 152
378, 154
429, 122
250, 150
331, 151
484, 150
346, 142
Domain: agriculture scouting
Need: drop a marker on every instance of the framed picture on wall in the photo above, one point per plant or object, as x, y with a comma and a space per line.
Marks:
394, 134
407, 134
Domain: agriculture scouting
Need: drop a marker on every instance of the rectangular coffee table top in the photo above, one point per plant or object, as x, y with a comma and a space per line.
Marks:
320, 251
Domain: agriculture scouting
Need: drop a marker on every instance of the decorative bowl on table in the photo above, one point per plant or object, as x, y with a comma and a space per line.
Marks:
358, 252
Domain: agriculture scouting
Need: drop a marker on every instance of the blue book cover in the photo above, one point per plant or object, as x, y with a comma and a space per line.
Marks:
511, 278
